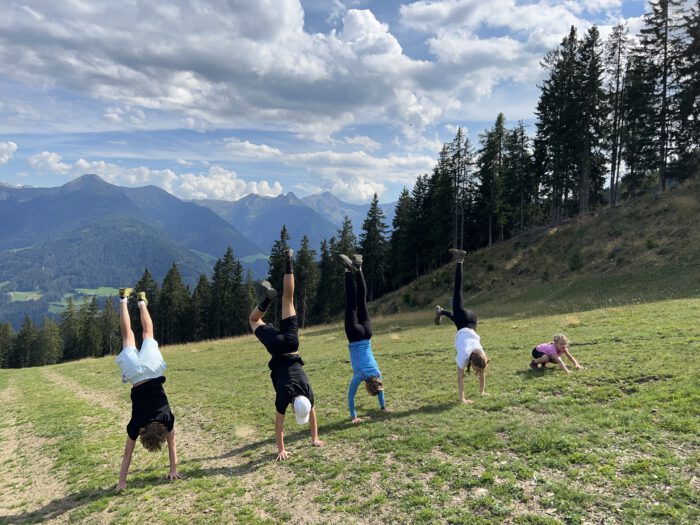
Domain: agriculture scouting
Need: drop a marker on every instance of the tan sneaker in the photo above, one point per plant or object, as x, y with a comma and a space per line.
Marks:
142, 297
125, 292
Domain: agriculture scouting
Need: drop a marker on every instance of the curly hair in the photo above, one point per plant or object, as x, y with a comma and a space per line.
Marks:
153, 436
478, 359
374, 385
560, 338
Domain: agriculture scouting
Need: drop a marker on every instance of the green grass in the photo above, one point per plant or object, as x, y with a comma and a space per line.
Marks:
102, 291
24, 296
617, 442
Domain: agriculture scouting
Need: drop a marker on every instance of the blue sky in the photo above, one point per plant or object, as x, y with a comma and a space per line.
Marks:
221, 98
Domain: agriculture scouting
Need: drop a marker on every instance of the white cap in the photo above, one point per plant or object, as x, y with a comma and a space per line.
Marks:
302, 408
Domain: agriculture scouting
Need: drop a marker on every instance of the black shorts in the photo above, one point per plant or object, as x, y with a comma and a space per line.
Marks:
282, 341
536, 353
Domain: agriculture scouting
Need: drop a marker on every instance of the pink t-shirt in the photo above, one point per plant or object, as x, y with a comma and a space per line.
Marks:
549, 349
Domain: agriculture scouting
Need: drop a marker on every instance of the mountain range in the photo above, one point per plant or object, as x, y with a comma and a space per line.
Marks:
90, 233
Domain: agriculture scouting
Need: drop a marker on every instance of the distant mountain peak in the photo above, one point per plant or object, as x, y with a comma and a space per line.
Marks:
87, 181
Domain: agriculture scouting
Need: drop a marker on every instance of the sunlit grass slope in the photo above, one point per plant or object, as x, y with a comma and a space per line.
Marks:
617, 442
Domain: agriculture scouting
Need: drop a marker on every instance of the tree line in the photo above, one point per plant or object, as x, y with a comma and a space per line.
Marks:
625, 110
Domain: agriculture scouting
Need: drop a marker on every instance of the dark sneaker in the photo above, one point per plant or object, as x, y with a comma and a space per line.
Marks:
347, 262
457, 255
357, 261
142, 297
438, 314
268, 290
289, 254
125, 292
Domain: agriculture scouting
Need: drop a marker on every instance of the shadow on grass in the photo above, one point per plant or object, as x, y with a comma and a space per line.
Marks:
60, 506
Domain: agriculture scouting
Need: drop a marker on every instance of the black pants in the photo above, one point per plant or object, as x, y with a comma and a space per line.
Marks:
357, 323
282, 341
461, 317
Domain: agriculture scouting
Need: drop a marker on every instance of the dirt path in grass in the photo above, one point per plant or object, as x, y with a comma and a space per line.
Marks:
28, 480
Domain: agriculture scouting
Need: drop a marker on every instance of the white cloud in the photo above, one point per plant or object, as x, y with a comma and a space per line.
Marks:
48, 161
364, 141
185, 163
7, 150
246, 149
216, 183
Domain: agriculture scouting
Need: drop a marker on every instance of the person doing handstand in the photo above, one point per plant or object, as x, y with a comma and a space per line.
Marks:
287, 368
151, 418
467, 341
358, 329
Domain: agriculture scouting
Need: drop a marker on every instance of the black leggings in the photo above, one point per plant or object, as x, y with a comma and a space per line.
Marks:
461, 317
357, 324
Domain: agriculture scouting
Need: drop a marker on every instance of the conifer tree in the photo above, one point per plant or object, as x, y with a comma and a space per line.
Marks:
491, 170
375, 250
324, 293
111, 335
419, 226
306, 277
519, 185
90, 335
275, 272
70, 331
200, 309
346, 243
401, 242
441, 199
49, 344
7, 341
224, 296
149, 285
25, 343
173, 308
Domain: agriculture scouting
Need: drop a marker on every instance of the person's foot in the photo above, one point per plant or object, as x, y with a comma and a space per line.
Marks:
125, 292
268, 290
438, 314
142, 297
533, 365
357, 261
457, 255
289, 253
347, 262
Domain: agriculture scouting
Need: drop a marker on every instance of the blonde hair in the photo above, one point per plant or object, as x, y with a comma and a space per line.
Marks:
560, 338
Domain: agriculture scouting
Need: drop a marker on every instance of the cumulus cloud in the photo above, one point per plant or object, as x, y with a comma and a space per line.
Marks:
7, 150
216, 183
363, 141
246, 149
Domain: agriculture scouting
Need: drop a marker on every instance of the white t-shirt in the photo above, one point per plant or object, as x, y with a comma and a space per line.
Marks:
141, 365
466, 341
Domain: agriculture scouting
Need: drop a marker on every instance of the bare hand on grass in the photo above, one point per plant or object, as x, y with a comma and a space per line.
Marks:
318, 443
282, 456
356, 420
174, 475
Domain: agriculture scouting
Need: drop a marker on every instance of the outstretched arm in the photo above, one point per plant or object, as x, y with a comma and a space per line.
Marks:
172, 455
279, 437
571, 358
126, 461
460, 385
561, 364
352, 390
313, 424
482, 382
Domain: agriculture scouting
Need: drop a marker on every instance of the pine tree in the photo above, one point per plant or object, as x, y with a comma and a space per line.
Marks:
464, 186
419, 219
306, 277
49, 344
200, 309
375, 249
402, 259
345, 243
660, 42
224, 296
440, 203
25, 343
275, 273
491, 170
7, 342
616, 54
149, 285
687, 136
518, 180
70, 330
173, 308
111, 334
90, 336
324, 293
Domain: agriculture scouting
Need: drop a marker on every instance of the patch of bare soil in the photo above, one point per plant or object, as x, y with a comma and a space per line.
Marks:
28, 478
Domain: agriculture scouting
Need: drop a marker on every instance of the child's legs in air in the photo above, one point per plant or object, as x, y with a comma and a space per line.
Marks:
128, 338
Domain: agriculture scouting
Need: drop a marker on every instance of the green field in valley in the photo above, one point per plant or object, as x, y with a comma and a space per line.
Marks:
617, 442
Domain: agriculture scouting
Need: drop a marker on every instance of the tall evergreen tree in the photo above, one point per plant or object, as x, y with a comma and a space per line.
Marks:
25, 343
49, 344
375, 249
90, 335
519, 186
200, 309
419, 220
345, 242
402, 242
324, 293
440, 200
70, 331
491, 172
687, 136
275, 272
616, 53
225, 297
111, 334
7, 341
306, 277
173, 308
660, 41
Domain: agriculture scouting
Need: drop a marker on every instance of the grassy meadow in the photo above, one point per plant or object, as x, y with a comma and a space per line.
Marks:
617, 442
